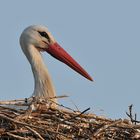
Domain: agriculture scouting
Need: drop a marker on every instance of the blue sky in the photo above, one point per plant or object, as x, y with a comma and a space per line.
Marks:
103, 36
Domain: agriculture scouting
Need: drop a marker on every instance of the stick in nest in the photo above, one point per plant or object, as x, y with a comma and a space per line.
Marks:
35, 132
77, 115
130, 115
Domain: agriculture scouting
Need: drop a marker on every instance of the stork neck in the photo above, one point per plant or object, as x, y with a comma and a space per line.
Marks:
43, 87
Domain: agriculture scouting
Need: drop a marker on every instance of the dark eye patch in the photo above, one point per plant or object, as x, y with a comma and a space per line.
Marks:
44, 34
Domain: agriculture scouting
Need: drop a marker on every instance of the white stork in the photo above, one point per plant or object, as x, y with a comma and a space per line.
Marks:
36, 39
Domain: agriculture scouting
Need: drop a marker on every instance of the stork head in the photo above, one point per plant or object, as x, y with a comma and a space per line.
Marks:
39, 37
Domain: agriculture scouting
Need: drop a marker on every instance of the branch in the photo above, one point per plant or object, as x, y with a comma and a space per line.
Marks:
35, 132
16, 136
130, 115
78, 115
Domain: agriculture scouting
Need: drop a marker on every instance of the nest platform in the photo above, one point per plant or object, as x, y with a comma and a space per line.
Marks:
61, 123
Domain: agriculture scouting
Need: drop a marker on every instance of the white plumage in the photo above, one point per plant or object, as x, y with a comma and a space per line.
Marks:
35, 39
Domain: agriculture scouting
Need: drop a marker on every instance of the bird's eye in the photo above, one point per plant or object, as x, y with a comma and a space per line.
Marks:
44, 34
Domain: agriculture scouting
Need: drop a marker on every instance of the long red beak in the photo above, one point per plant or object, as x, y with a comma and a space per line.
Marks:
59, 53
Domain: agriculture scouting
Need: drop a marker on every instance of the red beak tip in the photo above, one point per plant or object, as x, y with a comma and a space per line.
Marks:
91, 79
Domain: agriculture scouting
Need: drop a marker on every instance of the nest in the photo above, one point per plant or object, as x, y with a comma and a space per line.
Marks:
61, 123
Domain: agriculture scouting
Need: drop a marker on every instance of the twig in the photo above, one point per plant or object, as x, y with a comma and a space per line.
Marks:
77, 115
14, 102
9, 109
35, 132
74, 105
26, 101
17, 122
62, 96
130, 115
16, 136
64, 106
104, 127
